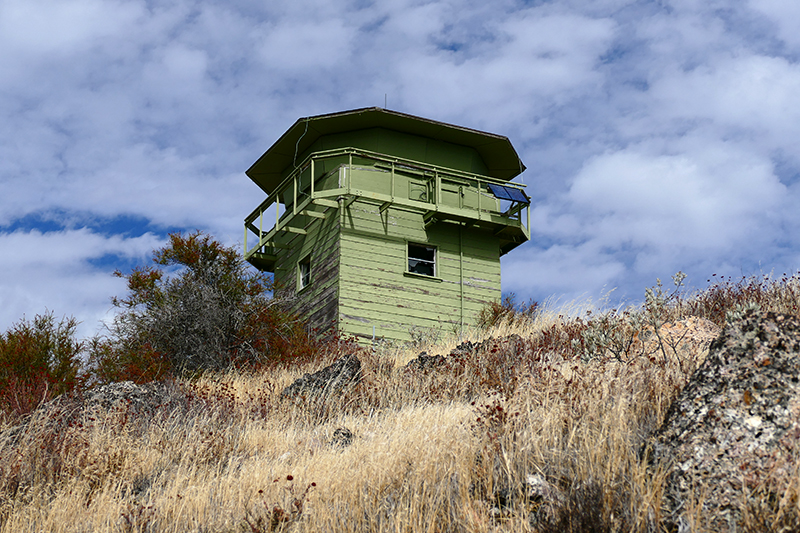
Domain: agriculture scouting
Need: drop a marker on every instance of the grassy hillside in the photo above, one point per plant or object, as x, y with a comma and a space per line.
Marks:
540, 430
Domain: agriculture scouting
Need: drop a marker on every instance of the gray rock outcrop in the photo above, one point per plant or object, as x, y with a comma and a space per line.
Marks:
331, 380
424, 362
734, 430
144, 398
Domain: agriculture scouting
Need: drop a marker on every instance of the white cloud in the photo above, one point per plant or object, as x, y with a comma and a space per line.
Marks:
784, 16
533, 62
571, 273
701, 201
62, 26
659, 135
308, 45
747, 95
52, 272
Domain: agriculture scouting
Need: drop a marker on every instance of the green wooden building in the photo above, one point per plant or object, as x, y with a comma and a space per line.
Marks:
378, 222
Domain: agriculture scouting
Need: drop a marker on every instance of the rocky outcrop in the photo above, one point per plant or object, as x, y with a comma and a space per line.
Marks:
331, 380
144, 398
135, 402
735, 427
424, 362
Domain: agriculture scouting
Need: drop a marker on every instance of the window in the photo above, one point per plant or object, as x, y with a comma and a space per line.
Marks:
422, 259
304, 272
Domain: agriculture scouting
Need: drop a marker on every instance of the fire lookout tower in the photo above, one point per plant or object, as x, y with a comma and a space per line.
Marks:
384, 221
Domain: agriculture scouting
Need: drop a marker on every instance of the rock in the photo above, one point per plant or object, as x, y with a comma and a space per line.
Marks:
425, 362
342, 437
135, 401
331, 380
466, 349
686, 338
144, 398
735, 427
538, 490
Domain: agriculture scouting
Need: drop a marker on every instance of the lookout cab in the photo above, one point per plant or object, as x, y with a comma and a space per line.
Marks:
378, 222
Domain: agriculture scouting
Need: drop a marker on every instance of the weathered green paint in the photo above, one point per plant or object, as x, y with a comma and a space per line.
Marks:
358, 188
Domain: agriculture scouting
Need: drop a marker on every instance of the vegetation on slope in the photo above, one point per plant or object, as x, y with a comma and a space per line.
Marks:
556, 400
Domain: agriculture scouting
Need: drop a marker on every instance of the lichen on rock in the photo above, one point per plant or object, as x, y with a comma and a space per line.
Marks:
734, 429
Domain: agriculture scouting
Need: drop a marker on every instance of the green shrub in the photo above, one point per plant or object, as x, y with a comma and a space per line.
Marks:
201, 307
39, 359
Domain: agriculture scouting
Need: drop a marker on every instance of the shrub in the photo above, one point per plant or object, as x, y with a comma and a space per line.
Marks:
726, 295
39, 359
199, 308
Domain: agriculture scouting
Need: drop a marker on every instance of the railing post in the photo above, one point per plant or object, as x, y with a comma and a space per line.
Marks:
349, 177
480, 196
391, 192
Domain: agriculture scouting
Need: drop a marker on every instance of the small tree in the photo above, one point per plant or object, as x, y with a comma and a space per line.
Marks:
200, 308
39, 360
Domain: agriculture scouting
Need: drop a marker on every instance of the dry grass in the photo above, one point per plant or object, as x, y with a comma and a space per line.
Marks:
447, 450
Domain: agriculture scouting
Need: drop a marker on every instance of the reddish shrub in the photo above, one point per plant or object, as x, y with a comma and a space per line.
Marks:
39, 360
725, 294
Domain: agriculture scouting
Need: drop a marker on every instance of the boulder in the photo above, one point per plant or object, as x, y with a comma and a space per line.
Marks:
466, 349
425, 362
342, 437
735, 428
331, 380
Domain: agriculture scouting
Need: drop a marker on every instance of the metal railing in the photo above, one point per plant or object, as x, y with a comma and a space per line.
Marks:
300, 189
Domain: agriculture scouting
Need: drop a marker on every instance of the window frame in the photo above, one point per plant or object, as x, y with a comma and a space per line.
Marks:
304, 273
432, 262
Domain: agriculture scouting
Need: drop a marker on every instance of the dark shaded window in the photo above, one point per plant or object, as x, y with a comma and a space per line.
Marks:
304, 272
422, 259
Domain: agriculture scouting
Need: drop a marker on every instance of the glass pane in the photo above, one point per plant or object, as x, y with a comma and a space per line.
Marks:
305, 273
422, 259
426, 253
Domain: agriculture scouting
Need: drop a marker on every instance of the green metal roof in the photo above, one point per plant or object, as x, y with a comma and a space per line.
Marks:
496, 151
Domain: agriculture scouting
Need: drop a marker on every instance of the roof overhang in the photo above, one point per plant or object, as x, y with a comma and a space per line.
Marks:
496, 151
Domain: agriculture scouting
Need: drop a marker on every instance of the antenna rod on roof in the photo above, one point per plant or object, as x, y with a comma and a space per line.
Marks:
385, 98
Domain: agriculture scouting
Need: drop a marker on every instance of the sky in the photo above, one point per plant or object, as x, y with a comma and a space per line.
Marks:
658, 135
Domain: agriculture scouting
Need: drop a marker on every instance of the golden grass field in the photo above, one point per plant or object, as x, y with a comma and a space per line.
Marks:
441, 451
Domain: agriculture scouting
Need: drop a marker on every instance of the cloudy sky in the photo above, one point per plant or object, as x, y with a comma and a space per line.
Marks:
658, 135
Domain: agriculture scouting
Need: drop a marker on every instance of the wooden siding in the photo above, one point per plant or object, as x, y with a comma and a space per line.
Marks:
403, 145
319, 300
376, 290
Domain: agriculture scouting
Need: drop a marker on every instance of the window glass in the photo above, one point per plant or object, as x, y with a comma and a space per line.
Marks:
422, 259
304, 272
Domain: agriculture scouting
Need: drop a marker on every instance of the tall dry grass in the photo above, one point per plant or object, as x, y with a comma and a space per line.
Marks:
458, 448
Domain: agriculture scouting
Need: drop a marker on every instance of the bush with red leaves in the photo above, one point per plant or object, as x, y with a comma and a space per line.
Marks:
39, 360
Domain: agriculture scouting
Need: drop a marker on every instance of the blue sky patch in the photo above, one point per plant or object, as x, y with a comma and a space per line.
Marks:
59, 220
